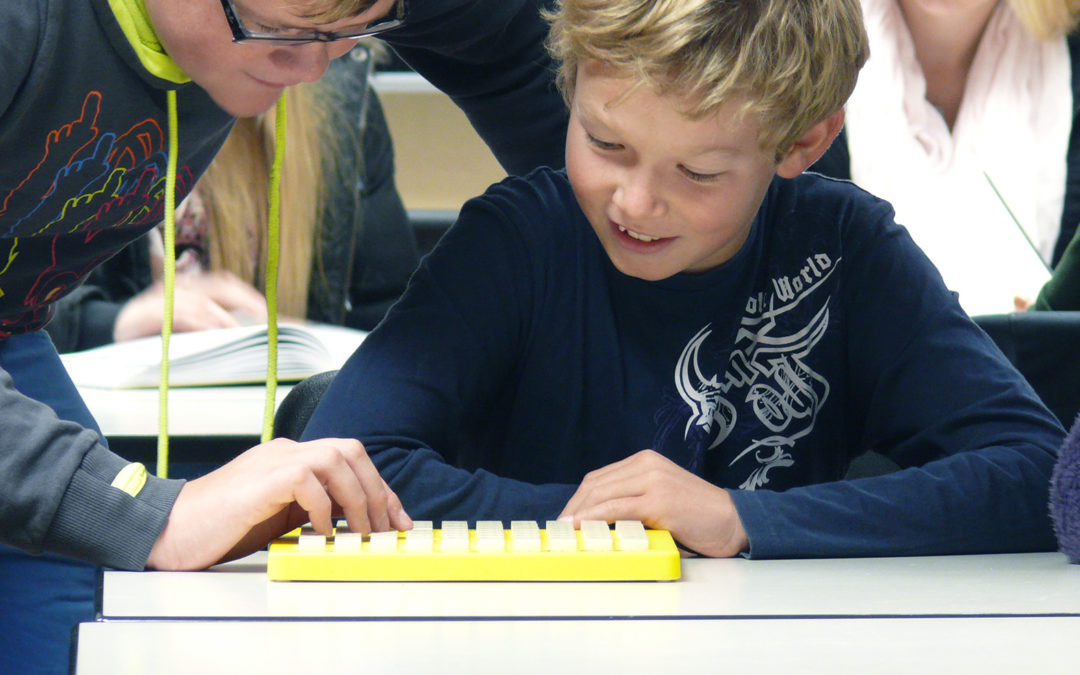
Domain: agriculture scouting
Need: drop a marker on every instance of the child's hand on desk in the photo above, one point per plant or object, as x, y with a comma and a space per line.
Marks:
201, 300
651, 488
270, 490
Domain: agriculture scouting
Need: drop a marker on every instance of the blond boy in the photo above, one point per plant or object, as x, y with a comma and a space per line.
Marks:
685, 329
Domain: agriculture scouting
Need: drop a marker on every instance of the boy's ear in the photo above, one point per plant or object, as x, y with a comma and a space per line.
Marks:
810, 146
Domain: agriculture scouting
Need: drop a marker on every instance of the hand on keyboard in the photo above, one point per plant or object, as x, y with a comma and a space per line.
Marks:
651, 488
270, 490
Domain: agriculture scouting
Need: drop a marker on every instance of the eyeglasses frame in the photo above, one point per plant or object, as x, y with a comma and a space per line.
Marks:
241, 34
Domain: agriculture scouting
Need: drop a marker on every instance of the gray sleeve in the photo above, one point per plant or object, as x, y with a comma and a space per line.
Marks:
56, 493
19, 40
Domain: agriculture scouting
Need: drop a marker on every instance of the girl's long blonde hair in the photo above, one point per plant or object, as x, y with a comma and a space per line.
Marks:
234, 192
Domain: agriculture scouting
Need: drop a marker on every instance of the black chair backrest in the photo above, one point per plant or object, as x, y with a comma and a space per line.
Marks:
296, 408
1045, 348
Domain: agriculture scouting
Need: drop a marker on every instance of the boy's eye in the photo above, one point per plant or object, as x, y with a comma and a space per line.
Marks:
279, 30
699, 177
603, 145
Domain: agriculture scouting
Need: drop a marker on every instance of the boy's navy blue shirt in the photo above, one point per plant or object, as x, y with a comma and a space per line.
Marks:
519, 359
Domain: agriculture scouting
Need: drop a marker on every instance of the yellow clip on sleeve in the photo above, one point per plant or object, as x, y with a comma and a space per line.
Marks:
131, 479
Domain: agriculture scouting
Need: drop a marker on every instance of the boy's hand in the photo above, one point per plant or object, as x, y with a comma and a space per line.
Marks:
651, 488
270, 490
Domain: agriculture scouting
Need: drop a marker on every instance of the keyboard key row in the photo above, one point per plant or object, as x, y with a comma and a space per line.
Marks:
489, 536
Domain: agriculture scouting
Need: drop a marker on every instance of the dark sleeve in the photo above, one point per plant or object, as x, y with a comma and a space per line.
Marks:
422, 380
929, 390
386, 252
489, 57
85, 318
1070, 213
1062, 292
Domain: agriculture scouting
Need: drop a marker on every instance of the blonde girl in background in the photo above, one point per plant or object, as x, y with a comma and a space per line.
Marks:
963, 118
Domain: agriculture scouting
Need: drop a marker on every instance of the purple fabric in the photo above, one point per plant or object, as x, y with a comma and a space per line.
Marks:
1065, 495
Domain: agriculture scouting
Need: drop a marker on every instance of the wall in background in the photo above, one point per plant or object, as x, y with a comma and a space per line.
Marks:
441, 161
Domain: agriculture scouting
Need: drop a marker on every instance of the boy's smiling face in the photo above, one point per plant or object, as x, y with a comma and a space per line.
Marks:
664, 193
246, 79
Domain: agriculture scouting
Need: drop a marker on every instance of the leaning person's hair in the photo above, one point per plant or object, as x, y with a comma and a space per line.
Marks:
329, 11
794, 62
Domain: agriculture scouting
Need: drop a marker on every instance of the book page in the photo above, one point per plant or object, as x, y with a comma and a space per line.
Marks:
214, 357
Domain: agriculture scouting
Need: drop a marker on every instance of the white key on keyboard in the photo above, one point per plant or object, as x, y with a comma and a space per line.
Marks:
383, 542
631, 535
310, 540
345, 540
455, 536
561, 535
597, 535
419, 541
524, 535
489, 536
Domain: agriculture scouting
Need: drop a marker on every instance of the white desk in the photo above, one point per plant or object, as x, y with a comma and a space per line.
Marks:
193, 411
759, 646
948, 586
989, 614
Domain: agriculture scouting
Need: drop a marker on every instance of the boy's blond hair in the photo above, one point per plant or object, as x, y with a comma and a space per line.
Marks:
794, 62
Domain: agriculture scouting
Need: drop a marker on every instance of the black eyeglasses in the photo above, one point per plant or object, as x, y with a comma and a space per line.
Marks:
393, 19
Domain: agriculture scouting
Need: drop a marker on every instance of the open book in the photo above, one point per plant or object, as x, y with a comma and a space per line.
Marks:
215, 357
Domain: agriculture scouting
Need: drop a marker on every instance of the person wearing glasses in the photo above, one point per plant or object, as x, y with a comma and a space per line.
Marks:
110, 110
351, 246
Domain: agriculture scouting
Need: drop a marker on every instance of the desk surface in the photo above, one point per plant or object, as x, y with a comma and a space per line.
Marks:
983, 645
948, 586
193, 411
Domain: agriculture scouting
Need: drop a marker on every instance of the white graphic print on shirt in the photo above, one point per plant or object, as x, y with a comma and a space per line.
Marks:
766, 373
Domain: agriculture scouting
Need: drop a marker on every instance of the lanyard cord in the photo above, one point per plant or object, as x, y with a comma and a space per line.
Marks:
169, 283
272, 257
169, 279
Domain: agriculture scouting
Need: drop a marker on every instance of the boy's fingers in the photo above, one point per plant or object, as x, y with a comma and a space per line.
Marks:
311, 496
377, 493
399, 520
622, 508
344, 487
613, 489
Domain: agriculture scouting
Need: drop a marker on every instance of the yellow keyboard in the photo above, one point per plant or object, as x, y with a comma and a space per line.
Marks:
488, 552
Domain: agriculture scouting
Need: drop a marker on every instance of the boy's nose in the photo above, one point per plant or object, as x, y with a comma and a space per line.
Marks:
306, 62
636, 195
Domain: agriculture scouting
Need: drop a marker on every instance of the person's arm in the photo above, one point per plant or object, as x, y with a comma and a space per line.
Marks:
63, 492
417, 387
489, 57
57, 493
1062, 292
931, 391
386, 253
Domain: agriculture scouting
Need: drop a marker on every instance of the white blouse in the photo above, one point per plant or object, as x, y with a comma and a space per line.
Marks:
984, 201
